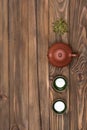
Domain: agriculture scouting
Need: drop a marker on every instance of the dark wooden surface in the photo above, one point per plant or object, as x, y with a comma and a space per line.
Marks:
4, 78
26, 93
58, 9
34, 105
78, 69
18, 64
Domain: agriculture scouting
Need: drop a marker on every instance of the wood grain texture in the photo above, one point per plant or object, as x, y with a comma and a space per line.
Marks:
26, 77
42, 48
58, 9
18, 64
78, 75
4, 87
34, 99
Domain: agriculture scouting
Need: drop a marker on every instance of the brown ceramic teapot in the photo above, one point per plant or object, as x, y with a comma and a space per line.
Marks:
60, 54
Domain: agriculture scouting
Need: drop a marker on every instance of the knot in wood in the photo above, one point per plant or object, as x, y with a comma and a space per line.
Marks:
60, 1
15, 127
3, 97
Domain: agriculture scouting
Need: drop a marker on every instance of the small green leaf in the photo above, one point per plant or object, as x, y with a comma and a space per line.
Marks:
60, 26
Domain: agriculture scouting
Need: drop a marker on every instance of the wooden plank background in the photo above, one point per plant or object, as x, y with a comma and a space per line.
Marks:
18, 64
4, 78
78, 71
26, 93
58, 9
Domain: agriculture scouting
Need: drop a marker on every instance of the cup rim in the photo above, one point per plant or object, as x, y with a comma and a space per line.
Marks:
56, 88
63, 111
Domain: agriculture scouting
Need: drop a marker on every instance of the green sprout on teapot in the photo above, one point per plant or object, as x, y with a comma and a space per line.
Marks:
60, 27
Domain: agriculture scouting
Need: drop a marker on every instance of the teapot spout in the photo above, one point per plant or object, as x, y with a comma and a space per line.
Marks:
74, 55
